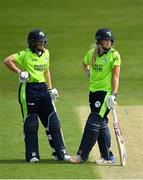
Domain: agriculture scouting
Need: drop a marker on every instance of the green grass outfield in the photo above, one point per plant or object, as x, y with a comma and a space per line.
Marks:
70, 26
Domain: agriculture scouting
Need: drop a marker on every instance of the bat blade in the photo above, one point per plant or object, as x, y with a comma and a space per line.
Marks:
120, 143
119, 138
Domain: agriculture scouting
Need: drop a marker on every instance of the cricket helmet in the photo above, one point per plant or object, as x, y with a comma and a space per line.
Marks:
104, 34
36, 35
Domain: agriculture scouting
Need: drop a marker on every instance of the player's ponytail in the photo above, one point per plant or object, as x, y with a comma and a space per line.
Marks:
93, 58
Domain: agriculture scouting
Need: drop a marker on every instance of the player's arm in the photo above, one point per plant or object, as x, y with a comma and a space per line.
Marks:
53, 92
86, 69
115, 79
111, 103
47, 76
10, 63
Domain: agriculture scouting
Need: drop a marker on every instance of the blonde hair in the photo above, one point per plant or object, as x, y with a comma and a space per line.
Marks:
93, 58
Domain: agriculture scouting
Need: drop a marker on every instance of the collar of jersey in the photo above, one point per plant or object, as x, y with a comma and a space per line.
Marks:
104, 52
35, 52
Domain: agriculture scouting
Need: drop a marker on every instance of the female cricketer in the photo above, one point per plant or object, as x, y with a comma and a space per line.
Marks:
35, 97
102, 65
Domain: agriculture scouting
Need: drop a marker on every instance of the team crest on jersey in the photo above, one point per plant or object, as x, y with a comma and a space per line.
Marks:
104, 59
97, 104
46, 59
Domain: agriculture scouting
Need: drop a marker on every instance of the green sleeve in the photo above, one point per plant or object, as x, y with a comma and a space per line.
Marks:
87, 57
48, 55
116, 59
19, 58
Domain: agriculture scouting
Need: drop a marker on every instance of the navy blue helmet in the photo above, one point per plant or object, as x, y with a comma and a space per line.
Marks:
104, 34
36, 35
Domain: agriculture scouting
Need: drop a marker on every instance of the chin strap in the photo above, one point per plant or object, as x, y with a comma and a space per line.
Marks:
105, 49
34, 50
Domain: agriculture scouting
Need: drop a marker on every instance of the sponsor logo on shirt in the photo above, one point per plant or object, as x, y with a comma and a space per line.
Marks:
104, 59
98, 67
34, 59
40, 67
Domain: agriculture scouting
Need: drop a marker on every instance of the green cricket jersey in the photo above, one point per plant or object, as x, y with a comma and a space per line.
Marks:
33, 64
101, 71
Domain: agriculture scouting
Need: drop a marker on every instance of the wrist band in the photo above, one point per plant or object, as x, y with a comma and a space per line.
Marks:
114, 94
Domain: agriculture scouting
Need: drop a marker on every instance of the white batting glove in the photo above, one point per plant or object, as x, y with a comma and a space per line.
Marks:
54, 94
23, 76
111, 103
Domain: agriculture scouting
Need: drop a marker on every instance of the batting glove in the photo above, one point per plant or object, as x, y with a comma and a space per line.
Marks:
111, 103
23, 76
54, 94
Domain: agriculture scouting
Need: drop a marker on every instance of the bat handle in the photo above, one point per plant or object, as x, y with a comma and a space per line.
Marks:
114, 115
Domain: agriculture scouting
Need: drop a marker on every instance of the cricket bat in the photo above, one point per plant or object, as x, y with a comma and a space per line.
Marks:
56, 112
119, 138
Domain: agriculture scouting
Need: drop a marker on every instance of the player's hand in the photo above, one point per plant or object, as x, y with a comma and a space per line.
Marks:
111, 103
23, 76
54, 94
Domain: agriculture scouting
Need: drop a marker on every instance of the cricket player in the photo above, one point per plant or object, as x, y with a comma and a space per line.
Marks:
35, 96
102, 65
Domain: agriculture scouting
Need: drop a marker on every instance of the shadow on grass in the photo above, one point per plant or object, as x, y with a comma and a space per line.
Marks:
42, 161
12, 161
50, 161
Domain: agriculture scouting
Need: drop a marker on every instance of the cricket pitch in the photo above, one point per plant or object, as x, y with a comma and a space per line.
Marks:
131, 123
